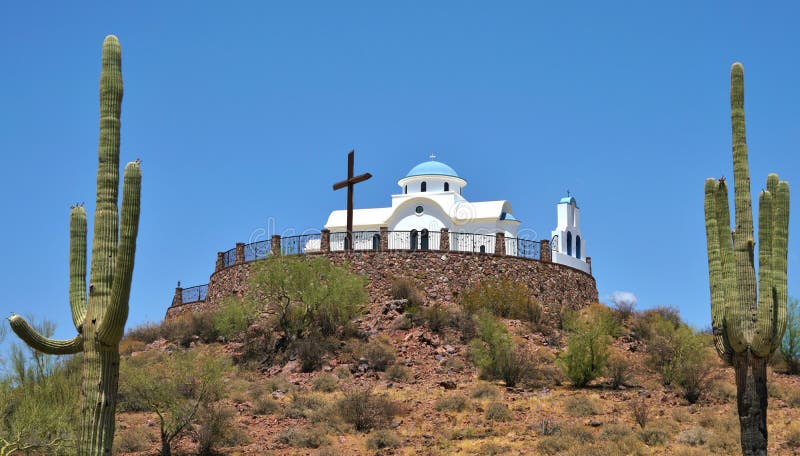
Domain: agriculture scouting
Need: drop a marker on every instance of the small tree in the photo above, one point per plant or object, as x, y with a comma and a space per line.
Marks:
495, 354
306, 293
790, 346
174, 386
587, 346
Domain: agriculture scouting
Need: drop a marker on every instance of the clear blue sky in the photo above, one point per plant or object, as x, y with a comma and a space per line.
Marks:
243, 114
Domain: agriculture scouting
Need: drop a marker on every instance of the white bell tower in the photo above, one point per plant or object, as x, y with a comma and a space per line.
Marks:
568, 244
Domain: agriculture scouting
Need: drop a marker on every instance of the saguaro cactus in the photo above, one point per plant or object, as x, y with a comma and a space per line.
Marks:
748, 317
100, 318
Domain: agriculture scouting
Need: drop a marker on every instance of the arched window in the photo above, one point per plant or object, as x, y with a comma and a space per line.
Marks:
376, 241
447, 186
483, 249
406, 189
577, 246
424, 240
423, 187
413, 237
569, 243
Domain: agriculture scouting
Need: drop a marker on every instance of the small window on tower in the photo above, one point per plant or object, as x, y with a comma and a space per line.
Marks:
447, 186
405, 190
423, 187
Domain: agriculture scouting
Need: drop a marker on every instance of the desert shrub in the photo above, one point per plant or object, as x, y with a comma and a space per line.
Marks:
694, 436
558, 443
403, 323
485, 391
452, 403
383, 438
790, 344
547, 426
398, 373
146, 332
128, 346
504, 298
265, 405
498, 411
582, 406
587, 346
310, 351
307, 294
623, 305
617, 369
326, 383
492, 449
214, 427
465, 323
133, 439
379, 353
233, 317
437, 317
641, 411
278, 383
793, 435
495, 353
343, 373
404, 288
174, 386
305, 406
722, 390
653, 436
304, 438
366, 411
643, 321
190, 327
258, 347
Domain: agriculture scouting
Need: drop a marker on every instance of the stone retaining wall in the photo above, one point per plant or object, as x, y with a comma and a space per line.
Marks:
441, 276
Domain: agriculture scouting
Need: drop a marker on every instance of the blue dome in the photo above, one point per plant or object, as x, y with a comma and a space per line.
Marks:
432, 167
569, 200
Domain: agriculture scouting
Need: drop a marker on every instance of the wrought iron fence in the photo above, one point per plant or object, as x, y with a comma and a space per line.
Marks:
194, 294
524, 248
297, 245
362, 240
229, 257
472, 242
257, 250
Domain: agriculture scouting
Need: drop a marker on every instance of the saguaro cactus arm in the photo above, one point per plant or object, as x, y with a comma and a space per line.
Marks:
77, 266
38, 342
112, 326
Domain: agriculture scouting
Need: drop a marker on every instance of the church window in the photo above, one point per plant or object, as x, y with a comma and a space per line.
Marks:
447, 186
569, 243
419, 209
577, 246
413, 237
424, 240
406, 189
483, 249
423, 187
376, 241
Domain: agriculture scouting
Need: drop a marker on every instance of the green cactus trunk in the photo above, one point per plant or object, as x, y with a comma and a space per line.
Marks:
748, 317
100, 319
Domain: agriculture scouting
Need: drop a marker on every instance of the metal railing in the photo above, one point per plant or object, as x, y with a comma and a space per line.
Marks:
524, 248
194, 294
472, 242
257, 250
297, 245
229, 257
362, 240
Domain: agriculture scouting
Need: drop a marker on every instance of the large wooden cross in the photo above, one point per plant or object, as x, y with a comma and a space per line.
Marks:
349, 183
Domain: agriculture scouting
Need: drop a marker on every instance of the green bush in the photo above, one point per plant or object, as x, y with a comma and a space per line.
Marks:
452, 403
383, 438
310, 351
146, 332
214, 427
504, 298
326, 383
366, 411
233, 317
587, 349
654, 436
581, 406
305, 406
307, 294
495, 354
186, 328
304, 438
379, 354
437, 317
498, 411
398, 373
617, 369
258, 347
485, 391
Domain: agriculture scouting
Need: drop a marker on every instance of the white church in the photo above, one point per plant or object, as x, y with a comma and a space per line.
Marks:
431, 199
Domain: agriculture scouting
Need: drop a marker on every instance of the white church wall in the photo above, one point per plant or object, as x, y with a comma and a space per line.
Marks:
566, 260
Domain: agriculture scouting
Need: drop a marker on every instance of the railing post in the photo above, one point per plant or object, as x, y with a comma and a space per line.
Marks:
220, 261
589, 262
275, 245
444, 239
325, 240
384, 233
178, 298
545, 254
239, 252
500, 244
